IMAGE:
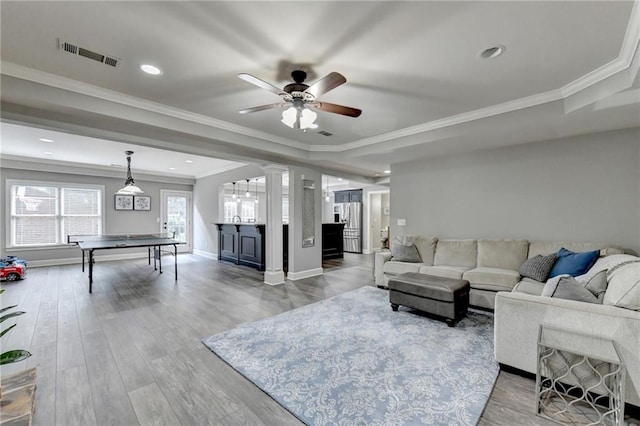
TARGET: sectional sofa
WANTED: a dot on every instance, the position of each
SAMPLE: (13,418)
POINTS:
(492,269)
(490,266)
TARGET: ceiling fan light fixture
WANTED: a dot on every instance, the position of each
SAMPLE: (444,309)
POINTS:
(307,118)
(289,116)
(299,118)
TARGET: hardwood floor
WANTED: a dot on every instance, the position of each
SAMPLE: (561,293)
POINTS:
(131,353)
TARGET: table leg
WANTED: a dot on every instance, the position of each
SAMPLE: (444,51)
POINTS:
(82,260)
(160,258)
(175,260)
(149,254)
(90,271)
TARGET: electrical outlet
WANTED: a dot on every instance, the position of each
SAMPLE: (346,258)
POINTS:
(402,222)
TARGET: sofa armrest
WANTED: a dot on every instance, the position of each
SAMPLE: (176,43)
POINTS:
(379,260)
(518,317)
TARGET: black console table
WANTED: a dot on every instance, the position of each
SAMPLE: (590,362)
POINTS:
(332,240)
(242,244)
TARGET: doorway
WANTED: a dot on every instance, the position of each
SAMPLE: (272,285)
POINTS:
(177,217)
(378,213)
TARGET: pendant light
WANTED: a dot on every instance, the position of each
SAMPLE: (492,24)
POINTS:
(256,200)
(247,194)
(327,198)
(130,187)
(233,195)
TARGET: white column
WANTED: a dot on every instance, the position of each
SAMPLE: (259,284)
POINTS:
(273,274)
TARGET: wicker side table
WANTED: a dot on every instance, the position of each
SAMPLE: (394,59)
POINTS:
(580,378)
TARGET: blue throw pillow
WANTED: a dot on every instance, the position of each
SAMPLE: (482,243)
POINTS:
(574,264)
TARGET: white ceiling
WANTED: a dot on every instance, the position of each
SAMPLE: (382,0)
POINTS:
(414,68)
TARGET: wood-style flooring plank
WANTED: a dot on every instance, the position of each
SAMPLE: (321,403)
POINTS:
(43,358)
(133,369)
(151,407)
(74,405)
(110,399)
(193,396)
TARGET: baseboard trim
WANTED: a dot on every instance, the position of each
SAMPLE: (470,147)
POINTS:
(78,260)
(207,254)
(274,277)
(294,276)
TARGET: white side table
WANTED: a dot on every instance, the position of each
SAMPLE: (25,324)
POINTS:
(580,378)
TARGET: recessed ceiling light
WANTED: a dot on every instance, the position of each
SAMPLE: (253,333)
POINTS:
(340,179)
(172,168)
(188,161)
(150,69)
(493,52)
(387,171)
(46,140)
(47,153)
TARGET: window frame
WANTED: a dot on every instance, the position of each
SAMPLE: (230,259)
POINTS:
(59,217)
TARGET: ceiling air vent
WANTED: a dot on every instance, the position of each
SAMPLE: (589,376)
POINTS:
(89,54)
(323,133)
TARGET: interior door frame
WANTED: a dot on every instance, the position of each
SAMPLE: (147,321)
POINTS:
(163,213)
(368,214)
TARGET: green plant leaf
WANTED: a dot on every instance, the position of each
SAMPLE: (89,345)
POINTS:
(14,356)
(11,315)
(7,308)
(5,331)
(1,291)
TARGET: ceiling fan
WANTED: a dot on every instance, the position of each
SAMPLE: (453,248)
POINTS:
(300,96)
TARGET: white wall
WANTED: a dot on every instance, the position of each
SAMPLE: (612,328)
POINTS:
(207,206)
(304,260)
(583,188)
(115,222)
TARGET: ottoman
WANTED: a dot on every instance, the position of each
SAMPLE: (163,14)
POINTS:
(447,298)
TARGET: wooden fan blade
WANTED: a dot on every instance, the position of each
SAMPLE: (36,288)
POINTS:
(261,83)
(329,82)
(261,108)
(339,109)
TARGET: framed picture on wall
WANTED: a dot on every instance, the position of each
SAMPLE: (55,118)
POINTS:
(123,202)
(142,202)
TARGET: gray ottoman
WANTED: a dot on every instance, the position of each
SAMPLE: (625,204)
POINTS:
(444,297)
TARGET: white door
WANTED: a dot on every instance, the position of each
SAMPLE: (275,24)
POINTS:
(177,217)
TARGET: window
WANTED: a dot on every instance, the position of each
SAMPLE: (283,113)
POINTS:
(44,213)
(246,209)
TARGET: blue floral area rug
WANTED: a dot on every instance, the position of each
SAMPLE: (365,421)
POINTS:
(351,360)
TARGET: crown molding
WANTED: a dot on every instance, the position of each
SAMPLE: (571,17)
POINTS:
(63,83)
(55,166)
(628,51)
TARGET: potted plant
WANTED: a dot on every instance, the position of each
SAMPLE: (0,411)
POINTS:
(14,355)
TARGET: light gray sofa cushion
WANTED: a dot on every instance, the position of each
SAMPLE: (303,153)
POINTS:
(502,254)
(426,247)
(402,251)
(544,248)
(566,287)
(444,271)
(461,253)
(495,279)
(529,286)
(393,267)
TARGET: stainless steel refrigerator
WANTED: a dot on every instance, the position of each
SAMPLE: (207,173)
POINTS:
(351,215)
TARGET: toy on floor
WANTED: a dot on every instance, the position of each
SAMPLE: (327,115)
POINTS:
(13,268)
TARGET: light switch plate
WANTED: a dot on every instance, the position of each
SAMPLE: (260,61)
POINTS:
(402,222)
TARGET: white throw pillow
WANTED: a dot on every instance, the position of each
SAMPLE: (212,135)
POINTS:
(623,290)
